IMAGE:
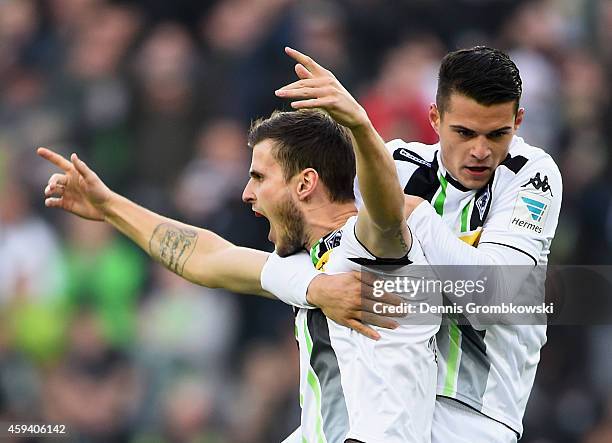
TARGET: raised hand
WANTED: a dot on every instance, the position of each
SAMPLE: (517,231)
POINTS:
(78,189)
(381,226)
(319,88)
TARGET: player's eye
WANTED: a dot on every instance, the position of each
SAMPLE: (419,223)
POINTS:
(465,133)
(497,135)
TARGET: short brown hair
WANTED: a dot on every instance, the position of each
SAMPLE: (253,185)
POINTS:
(483,74)
(310,139)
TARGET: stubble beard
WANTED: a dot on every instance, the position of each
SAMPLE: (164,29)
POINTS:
(291,235)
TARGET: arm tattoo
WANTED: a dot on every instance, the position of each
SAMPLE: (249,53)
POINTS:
(402,241)
(172,246)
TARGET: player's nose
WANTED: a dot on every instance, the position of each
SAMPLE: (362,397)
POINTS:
(480,150)
(247,194)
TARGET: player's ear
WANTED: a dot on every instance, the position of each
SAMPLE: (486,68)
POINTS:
(307,182)
(520,115)
(434,117)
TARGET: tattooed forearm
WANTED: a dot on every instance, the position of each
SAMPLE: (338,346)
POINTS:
(401,236)
(172,246)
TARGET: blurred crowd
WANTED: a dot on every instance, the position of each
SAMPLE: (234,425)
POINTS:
(157,96)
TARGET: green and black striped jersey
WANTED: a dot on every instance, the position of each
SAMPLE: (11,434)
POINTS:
(490,369)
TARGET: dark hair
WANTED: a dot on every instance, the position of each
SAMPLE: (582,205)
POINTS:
(310,139)
(483,74)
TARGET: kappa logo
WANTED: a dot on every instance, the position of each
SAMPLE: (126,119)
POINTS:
(539,184)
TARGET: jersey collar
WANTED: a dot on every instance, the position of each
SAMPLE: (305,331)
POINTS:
(320,251)
(449,178)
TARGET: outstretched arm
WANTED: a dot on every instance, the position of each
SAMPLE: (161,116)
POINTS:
(198,255)
(381,223)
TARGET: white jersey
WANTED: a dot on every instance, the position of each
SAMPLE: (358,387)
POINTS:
(491,370)
(352,387)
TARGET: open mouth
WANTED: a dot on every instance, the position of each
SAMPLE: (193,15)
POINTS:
(477,170)
(270,234)
(271,231)
(257,213)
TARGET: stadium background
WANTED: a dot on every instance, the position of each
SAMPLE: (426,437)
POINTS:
(158,96)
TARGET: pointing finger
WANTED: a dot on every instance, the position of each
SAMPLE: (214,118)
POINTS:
(309,64)
(54,158)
